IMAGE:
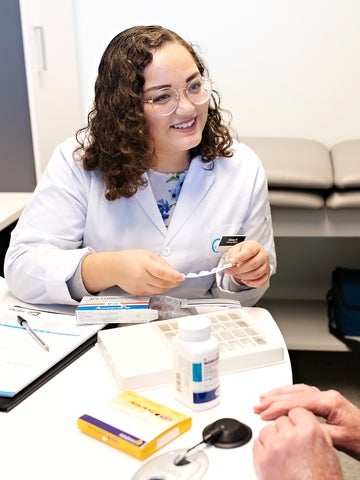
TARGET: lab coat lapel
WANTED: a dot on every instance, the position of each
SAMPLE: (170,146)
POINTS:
(196,185)
(147,201)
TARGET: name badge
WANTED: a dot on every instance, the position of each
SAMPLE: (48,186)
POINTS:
(227,241)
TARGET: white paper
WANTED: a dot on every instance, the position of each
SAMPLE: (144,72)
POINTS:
(22,359)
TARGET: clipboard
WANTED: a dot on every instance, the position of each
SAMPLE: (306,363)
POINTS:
(8,403)
(24,365)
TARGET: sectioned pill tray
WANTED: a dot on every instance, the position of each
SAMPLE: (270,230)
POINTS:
(248,336)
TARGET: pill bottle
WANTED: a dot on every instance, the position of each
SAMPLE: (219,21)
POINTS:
(196,363)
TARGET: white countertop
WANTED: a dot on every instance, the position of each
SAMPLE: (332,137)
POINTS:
(11,206)
(40,439)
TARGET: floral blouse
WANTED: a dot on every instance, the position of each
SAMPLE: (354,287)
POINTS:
(166,188)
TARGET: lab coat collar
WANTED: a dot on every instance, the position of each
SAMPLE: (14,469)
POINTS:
(196,185)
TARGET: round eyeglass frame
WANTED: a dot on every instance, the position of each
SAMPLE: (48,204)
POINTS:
(205,80)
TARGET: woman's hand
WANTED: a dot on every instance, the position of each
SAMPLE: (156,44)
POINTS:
(251,264)
(138,272)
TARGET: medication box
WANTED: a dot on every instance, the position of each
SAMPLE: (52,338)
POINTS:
(114,309)
(134,424)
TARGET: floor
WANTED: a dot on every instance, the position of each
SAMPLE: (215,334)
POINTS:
(326,370)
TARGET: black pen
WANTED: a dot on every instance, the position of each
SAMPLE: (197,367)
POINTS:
(31,332)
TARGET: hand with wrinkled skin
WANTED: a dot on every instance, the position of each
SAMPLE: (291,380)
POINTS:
(138,272)
(342,417)
(295,447)
(251,264)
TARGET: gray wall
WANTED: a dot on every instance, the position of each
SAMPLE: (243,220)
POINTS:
(17,171)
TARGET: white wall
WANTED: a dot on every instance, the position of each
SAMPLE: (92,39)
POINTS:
(283,67)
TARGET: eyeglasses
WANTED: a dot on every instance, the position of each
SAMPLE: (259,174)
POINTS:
(166,100)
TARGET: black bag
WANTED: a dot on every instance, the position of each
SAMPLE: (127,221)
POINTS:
(343,306)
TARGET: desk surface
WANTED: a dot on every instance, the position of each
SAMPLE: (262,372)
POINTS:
(11,206)
(40,439)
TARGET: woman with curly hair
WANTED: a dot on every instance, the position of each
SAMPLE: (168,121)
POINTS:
(143,194)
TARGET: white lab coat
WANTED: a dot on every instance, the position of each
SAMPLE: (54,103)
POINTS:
(68,216)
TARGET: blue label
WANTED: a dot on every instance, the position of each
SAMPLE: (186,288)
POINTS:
(197,372)
(203,397)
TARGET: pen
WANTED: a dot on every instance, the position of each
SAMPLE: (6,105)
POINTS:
(31,332)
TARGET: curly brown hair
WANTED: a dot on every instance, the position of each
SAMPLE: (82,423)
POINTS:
(116,140)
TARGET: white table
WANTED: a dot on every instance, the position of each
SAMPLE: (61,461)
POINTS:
(11,206)
(39,438)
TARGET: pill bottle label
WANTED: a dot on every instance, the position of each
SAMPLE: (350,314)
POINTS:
(197,381)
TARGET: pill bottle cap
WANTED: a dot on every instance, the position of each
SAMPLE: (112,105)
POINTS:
(194,329)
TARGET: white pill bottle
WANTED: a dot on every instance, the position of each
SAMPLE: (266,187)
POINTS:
(196,364)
